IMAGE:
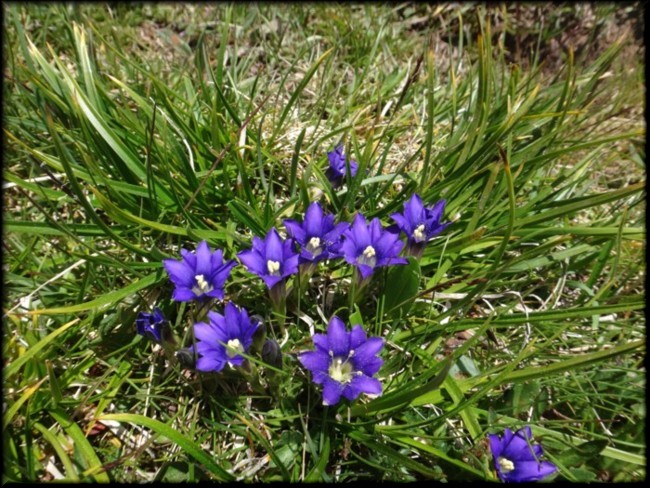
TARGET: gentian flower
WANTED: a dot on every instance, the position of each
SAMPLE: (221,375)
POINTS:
(152,325)
(337,170)
(369,246)
(200,275)
(420,223)
(344,362)
(272,259)
(222,341)
(516,459)
(318,237)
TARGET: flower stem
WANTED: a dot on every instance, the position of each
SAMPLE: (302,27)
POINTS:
(278,294)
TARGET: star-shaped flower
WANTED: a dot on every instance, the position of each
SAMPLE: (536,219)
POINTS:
(200,275)
(516,458)
(344,362)
(272,259)
(370,246)
(317,236)
(224,338)
(420,223)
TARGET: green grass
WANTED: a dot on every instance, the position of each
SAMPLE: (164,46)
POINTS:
(132,132)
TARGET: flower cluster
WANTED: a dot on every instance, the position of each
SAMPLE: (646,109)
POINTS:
(343,361)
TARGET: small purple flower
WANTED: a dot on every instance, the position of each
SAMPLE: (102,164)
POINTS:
(272,259)
(337,170)
(344,362)
(420,223)
(369,246)
(151,325)
(318,237)
(224,338)
(516,459)
(200,275)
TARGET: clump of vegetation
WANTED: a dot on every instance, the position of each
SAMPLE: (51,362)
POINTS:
(413,243)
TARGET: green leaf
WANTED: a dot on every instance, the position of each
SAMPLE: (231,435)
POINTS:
(91,462)
(584,453)
(401,288)
(187,445)
(15,366)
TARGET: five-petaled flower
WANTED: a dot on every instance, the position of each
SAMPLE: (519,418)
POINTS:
(420,223)
(370,246)
(200,275)
(337,169)
(224,338)
(272,259)
(152,325)
(344,362)
(317,236)
(516,459)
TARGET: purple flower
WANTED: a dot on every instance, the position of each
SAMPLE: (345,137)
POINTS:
(224,338)
(272,259)
(337,170)
(318,237)
(369,246)
(151,325)
(344,362)
(516,459)
(200,275)
(420,223)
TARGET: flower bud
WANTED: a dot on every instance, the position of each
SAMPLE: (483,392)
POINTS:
(271,353)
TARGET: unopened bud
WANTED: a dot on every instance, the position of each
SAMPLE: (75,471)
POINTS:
(259,335)
(271,354)
(186,357)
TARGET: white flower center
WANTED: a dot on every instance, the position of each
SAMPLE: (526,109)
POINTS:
(368,257)
(506,465)
(340,370)
(314,246)
(418,233)
(273,267)
(202,286)
(234,347)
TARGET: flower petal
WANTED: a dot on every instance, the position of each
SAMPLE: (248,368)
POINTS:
(338,338)
(205,332)
(321,342)
(365,384)
(366,352)
(203,259)
(209,363)
(357,337)
(313,223)
(331,391)
(273,246)
(179,273)
(315,361)
(183,294)
(294,229)
(529,471)
(253,261)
